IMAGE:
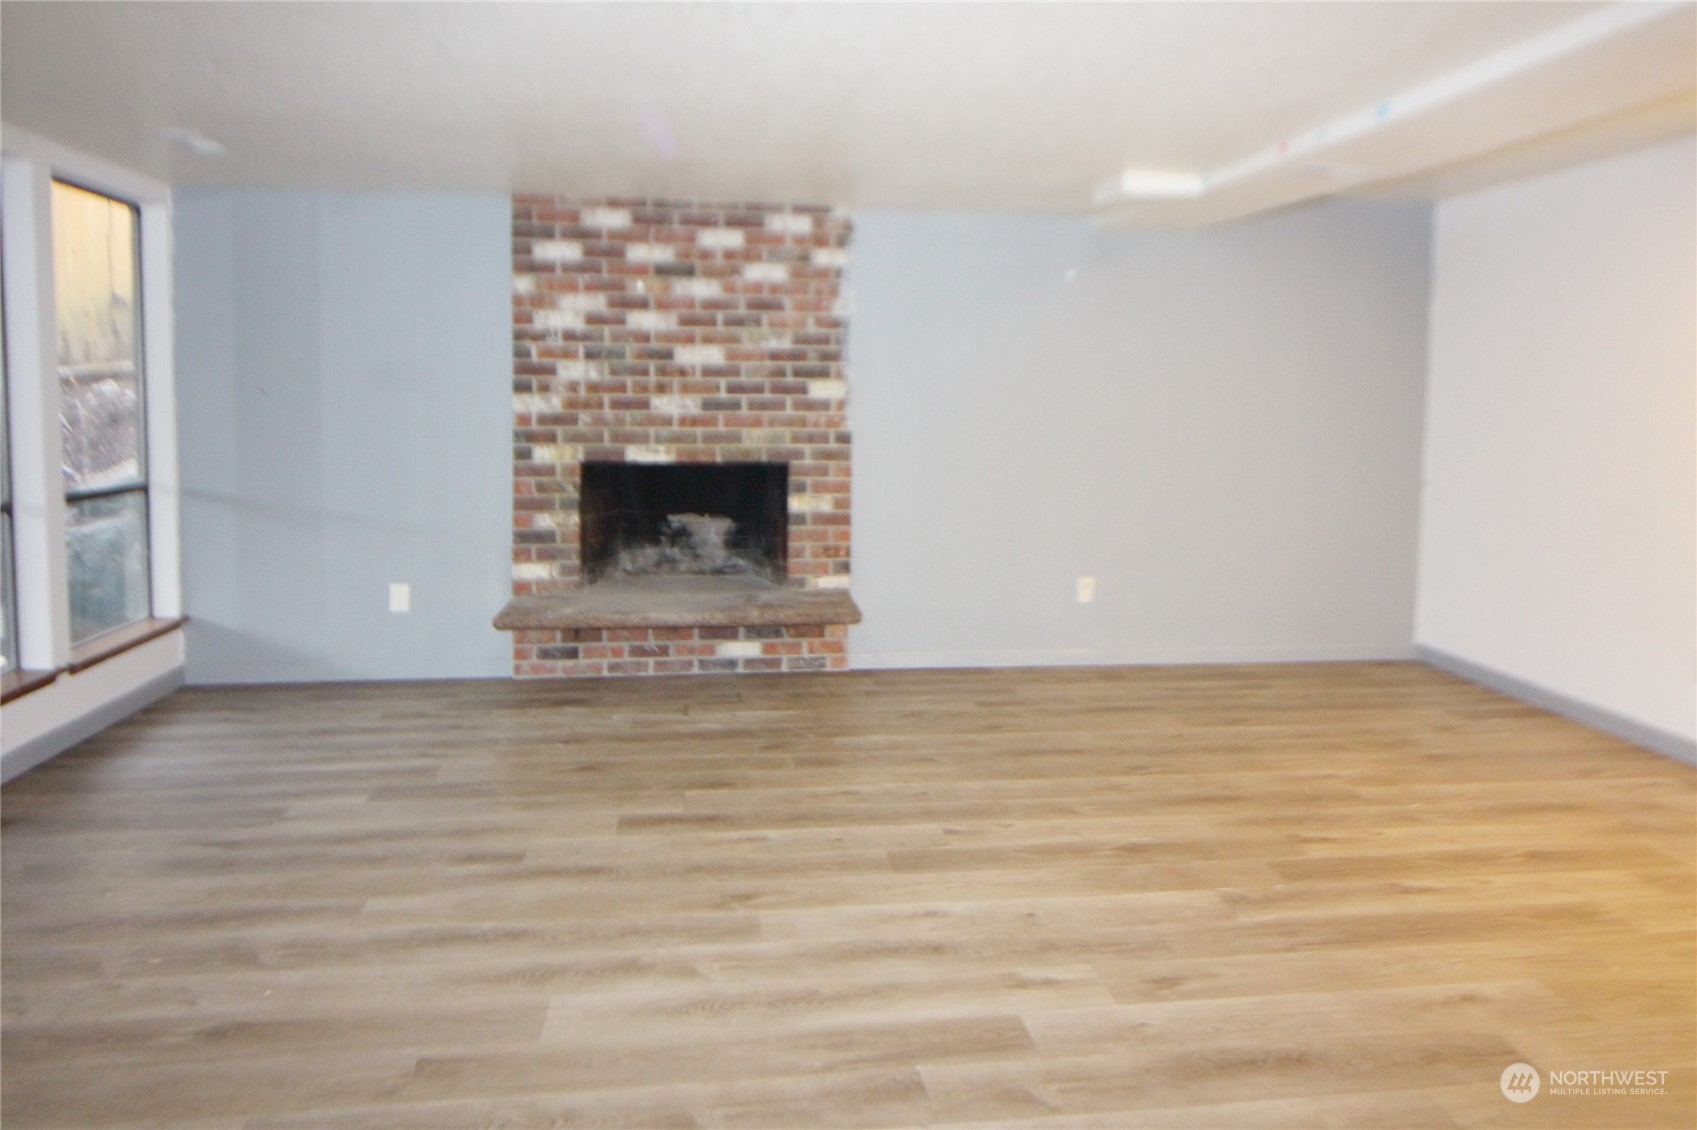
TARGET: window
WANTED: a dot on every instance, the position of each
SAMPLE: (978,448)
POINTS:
(8,599)
(88,502)
(98,306)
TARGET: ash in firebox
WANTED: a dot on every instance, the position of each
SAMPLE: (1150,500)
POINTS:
(689,544)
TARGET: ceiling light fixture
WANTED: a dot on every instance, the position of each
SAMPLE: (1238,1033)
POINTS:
(1150,184)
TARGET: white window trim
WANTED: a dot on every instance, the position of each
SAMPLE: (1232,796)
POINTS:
(32,163)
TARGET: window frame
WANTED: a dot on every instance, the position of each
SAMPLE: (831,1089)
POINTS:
(39,498)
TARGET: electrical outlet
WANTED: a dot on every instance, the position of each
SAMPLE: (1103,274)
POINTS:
(400,596)
(1086,589)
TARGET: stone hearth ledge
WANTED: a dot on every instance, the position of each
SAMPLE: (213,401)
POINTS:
(678,602)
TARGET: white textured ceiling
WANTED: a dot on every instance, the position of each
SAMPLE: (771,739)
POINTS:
(1022,107)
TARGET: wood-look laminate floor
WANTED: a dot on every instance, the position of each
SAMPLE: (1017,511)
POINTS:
(1326,895)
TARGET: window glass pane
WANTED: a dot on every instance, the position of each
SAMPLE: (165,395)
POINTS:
(5,407)
(94,275)
(107,542)
(9,643)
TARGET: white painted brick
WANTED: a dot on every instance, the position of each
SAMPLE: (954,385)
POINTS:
(607,218)
(738,649)
(649,253)
(789,223)
(698,288)
(677,405)
(829,257)
(524,284)
(833,581)
(699,355)
(765,272)
(581,370)
(555,453)
(533,402)
(722,239)
(532,571)
(649,453)
(827,390)
(808,503)
(558,320)
(651,320)
(581,302)
(557,250)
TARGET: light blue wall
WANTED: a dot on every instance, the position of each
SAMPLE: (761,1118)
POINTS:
(343,382)
(1222,427)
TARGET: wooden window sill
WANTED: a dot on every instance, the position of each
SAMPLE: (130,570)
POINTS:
(120,640)
(15,684)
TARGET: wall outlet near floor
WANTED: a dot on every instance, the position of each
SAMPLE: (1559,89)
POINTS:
(400,596)
(1086,589)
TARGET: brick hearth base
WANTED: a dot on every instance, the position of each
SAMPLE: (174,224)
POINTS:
(576,652)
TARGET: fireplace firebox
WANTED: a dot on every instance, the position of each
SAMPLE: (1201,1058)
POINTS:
(704,519)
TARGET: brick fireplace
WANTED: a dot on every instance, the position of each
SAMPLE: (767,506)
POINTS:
(660,334)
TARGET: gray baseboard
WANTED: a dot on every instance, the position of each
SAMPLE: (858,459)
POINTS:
(22,758)
(1651,738)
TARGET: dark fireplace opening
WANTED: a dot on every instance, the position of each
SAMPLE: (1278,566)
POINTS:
(700,519)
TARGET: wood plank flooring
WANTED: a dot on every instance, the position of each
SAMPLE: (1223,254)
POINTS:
(1307,895)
